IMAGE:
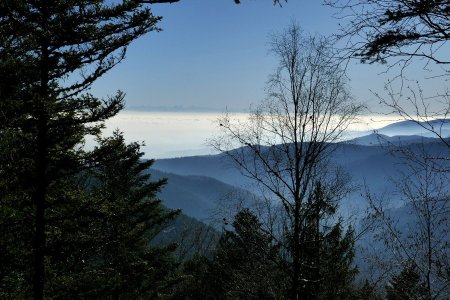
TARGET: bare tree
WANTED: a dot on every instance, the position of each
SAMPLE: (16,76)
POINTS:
(400,32)
(429,113)
(284,144)
(416,234)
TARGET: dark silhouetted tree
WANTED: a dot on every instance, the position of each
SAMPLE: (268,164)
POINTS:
(367,291)
(50,54)
(407,285)
(380,29)
(247,264)
(131,217)
(111,231)
(326,253)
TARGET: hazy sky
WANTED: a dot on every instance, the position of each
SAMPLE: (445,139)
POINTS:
(212,54)
(172,134)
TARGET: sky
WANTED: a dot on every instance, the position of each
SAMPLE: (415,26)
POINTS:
(213,55)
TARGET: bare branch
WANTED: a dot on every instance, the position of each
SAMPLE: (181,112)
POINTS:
(284,144)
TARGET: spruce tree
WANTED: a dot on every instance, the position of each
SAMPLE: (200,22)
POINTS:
(327,251)
(50,54)
(337,267)
(112,229)
(247,262)
(130,216)
(407,285)
(367,291)
(245,265)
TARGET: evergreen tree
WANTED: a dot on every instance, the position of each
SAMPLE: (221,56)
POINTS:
(407,285)
(367,292)
(197,282)
(337,267)
(131,217)
(247,264)
(327,252)
(111,228)
(50,54)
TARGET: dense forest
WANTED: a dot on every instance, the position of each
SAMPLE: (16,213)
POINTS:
(81,223)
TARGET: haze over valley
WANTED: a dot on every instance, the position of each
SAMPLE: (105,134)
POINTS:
(186,133)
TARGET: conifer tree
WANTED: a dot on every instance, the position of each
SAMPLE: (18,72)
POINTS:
(367,291)
(50,54)
(247,263)
(337,266)
(327,251)
(407,285)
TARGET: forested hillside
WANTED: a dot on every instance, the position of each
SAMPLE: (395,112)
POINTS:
(288,209)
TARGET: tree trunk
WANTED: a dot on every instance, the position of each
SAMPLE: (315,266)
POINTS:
(39,199)
(296,256)
(41,167)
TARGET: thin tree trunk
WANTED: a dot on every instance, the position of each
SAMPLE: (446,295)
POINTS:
(296,257)
(39,203)
(41,167)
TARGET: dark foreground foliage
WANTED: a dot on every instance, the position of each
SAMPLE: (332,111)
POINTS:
(73,223)
(249,264)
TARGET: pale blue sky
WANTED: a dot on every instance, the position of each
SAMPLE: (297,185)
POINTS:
(213,54)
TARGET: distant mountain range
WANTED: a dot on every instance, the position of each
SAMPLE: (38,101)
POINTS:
(412,128)
(179,108)
(198,183)
(377,139)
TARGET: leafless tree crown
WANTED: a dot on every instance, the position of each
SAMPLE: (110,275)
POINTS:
(283,146)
